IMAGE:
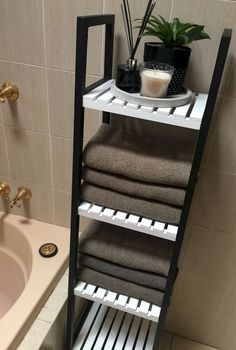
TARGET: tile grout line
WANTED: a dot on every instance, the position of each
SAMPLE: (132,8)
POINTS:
(7,153)
(30,131)
(33,184)
(205,167)
(48,113)
(5,141)
(48,67)
(210,228)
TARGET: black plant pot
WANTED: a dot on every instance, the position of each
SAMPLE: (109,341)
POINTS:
(178,57)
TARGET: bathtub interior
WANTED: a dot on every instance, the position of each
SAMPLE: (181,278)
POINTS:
(15,265)
(26,278)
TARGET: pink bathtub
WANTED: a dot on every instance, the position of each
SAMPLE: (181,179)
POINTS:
(26,278)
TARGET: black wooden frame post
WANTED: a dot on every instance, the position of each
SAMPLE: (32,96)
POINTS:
(83,24)
(202,137)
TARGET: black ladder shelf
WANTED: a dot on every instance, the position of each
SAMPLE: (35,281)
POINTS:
(112,320)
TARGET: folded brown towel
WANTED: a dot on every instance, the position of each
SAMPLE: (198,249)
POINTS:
(161,193)
(142,278)
(126,247)
(140,206)
(119,286)
(158,161)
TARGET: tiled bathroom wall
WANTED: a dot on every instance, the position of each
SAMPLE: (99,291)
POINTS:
(37,51)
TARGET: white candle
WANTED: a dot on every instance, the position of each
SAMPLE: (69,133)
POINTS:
(154,83)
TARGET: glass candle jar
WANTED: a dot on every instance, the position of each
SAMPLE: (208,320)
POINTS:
(155,78)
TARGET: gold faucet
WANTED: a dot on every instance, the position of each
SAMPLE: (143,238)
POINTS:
(4,189)
(22,194)
(8,91)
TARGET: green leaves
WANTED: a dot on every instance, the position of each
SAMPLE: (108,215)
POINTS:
(174,33)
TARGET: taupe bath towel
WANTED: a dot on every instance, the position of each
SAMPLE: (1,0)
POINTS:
(142,278)
(161,193)
(140,206)
(157,161)
(118,285)
(126,247)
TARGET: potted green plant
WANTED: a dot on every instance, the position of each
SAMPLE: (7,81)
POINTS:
(172,49)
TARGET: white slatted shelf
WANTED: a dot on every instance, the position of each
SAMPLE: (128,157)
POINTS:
(128,220)
(118,301)
(106,328)
(187,116)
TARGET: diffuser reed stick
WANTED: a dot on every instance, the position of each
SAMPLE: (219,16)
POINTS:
(125,10)
(146,17)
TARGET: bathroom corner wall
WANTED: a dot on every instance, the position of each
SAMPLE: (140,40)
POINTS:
(37,44)
(37,53)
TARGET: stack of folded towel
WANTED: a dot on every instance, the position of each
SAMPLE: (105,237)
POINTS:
(124,261)
(136,174)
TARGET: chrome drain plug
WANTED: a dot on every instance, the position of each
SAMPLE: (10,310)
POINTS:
(48,250)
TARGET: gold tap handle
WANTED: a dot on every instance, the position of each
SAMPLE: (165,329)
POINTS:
(23,193)
(4,189)
(8,91)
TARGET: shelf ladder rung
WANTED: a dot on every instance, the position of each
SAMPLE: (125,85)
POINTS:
(132,304)
(89,289)
(121,300)
(123,332)
(164,111)
(95,209)
(135,306)
(86,327)
(108,212)
(114,331)
(158,226)
(198,108)
(100,293)
(101,339)
(117,102)
(143,308)
(103,98)
(154,313)
(110,297)
(132,219)
(146,109)
(133,333)
(182,112)
(142,335)
(128,220)
(96,326)
(95,93)
(151,337)
(120,215)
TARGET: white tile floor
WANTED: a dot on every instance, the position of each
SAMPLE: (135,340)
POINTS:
(41,326)
(173,342)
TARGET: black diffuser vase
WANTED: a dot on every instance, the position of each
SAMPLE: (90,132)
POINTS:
(128,78)
(178,57)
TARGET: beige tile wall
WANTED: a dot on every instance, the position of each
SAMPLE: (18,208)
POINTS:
(37,49)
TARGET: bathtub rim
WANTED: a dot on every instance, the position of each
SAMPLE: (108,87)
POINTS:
(35,294)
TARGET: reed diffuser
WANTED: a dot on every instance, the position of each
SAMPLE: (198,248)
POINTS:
(128,78)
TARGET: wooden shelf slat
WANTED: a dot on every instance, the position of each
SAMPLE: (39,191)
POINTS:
(128,220)
(103,99)
(106,328)
(118,301)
